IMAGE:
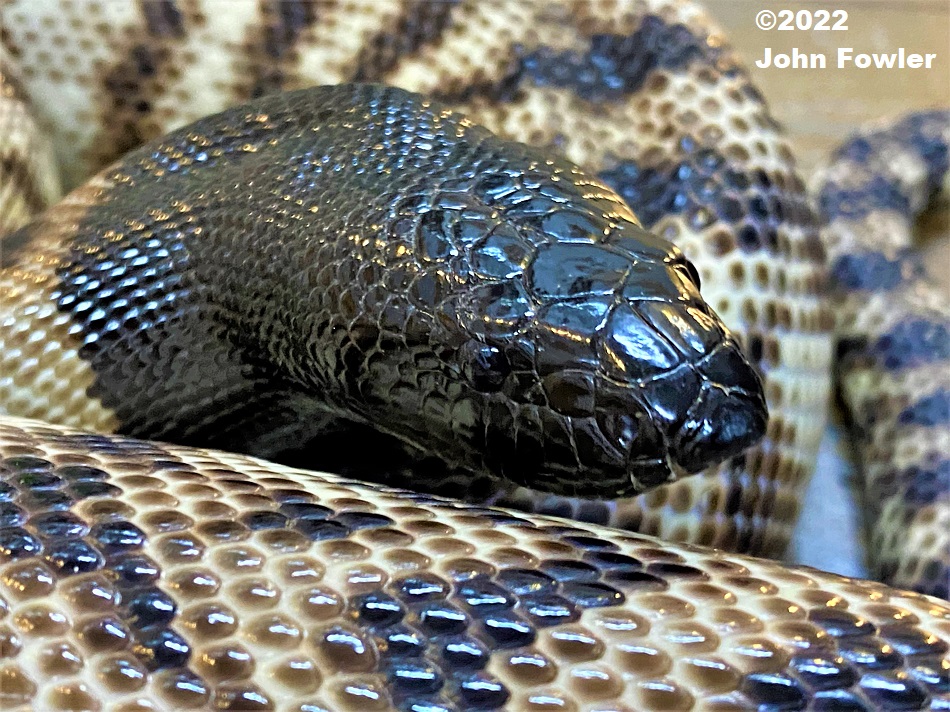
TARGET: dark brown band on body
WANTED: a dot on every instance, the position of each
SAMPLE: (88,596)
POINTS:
(16,170)
(420,24)
(272,43)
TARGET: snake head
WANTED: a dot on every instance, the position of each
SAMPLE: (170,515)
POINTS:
(618,378)
(588,363)
(493,305)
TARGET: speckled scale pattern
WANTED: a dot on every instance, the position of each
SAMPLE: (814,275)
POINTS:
(137,575)
(894,324)
(669,98)
(29,178)
(712,174)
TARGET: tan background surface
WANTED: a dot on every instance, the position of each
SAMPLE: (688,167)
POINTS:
(819,108)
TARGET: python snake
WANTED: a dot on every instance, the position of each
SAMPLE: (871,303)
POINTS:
(229,285)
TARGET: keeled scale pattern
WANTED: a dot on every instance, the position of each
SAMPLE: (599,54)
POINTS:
(139,576)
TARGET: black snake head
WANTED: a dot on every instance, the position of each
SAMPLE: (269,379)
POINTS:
(368,255)
(600,370)
(562,347)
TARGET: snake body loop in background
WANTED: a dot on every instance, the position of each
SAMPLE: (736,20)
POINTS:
(359,278)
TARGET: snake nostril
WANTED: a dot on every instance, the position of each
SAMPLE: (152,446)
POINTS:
(723,423)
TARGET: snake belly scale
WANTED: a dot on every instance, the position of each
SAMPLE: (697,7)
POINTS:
(251,282)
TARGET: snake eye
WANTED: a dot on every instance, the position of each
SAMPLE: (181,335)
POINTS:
(693,273)
(485,367)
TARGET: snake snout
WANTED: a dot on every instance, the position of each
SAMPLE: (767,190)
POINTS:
(677,361)
(728,415)
(637,386)
(669,355)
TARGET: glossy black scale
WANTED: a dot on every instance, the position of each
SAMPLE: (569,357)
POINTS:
(525,581)
(464,653)
(888,690)
(73,556)
(824,672)
(483,596)
(378,610)
(37,520)
(481,691)
(507,630)
(162,648)
(135,569)
(773,691)
(471,298)
(151,607)
(414,677)
(402,641)
(17,543)
(548,609)
(25,464)
(839,701)
(115,537)
(11,515)
(442,619)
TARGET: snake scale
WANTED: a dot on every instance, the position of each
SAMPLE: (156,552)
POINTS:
(366,281)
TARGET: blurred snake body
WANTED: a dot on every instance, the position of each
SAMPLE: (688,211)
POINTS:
(362,279)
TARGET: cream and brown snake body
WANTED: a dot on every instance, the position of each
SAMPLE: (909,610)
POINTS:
(364,280)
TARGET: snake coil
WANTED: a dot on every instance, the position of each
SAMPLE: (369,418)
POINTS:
(359,270)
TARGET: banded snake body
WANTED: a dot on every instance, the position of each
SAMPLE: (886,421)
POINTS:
(364,280)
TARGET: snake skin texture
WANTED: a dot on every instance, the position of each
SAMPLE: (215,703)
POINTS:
(29,179)
(357,253)
(138,575)
(894,327)
(147,576)
(646,96)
